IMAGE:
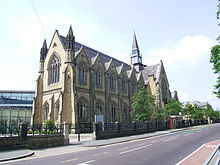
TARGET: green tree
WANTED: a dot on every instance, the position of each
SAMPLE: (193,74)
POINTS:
(197,113)
(49,124)
(173,107)
(143,106)
(211,113)
(215,59)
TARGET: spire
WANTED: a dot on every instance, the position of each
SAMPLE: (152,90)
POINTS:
(134,43)
(70,33)
(136,58)
(70,39)
(43,51)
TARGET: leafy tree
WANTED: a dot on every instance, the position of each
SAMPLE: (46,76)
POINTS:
(49,124)
(215,59)
(143,106)
(210,113)
(159,114)
(197,113)
(173,107)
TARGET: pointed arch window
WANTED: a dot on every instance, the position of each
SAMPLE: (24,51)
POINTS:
(126,112)
(98,78)
(133,87)
(113,112)
(99,107)
(112,82)
(82,73)
(124,86)
(82,109)
(164,91)
(54,70)
(45,111)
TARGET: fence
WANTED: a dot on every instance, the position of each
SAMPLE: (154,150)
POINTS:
(37,136)
(31,130)
(80,128)
(110,130)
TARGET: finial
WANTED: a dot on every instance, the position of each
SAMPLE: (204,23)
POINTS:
(70,33)
(43,51)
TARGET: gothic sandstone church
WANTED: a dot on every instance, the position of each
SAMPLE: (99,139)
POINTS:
(77,83)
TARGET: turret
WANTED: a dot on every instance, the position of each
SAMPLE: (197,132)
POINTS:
(43,51)
(43,54)
(70,40)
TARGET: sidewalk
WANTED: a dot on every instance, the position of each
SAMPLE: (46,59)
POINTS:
(75,145)
(12,155)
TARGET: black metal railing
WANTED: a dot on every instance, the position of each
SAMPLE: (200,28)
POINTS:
(80,128)
(148,126)
(31,130)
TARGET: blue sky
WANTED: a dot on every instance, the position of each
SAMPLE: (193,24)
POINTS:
(180,33)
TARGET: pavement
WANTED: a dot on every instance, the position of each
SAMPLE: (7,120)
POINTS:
(201,154)
(85,143)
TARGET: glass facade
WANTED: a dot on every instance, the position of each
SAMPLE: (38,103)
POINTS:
(15,107)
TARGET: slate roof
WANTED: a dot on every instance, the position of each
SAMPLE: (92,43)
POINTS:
(151,70)
(91,53)
(134,43)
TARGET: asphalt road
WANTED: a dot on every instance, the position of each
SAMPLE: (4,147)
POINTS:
(161,150)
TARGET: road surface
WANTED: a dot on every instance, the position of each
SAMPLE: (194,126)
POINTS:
(160,150)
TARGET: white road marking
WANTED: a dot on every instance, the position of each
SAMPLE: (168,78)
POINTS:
(189,155)
(141,144)
(101,154)
(188,134)
(69,160)
(136,149)
(86,163)
(170,139)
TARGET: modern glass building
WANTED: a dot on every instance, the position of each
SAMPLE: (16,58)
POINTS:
(15,107)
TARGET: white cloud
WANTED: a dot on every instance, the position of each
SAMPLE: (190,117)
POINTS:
(184,53)
(20,66)
(214,101)
(183,96)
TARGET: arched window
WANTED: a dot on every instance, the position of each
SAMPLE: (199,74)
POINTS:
(56,110)
(54,70)
(98,79)
(124,86)
(126,112)
(82,109)
(82,73)
(111,82)
(45,111)
(165,90)
(133,87)
(99,107)
(113,112)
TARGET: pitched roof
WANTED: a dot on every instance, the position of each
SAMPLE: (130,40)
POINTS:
(151,70)
(91,53)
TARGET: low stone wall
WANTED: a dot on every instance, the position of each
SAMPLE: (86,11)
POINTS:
(32,142)
(97,135)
